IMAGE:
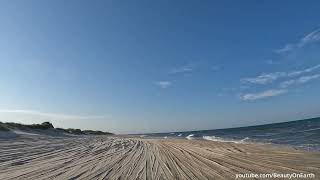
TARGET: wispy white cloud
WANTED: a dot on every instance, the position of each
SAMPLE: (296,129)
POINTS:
(287,83)
(297,73)
(164,84)
(300,80)
(262,95)
(286,48)
(288,78)
(266,78)
(310,38)
(306,79)
(56,116)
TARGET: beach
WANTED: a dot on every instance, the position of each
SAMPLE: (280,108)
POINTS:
(111,157)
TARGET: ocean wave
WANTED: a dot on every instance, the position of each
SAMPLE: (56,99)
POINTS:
(190,136)
(315,129)
(180,135)
(218,139)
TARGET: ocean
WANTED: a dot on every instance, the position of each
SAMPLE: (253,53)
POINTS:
(301,134)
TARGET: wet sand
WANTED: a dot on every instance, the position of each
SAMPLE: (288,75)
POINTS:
(102,157)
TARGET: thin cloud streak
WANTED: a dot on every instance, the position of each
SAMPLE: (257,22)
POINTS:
(310,38)
(267,78)
(297,73)
(262,95)
(264,78)
(300,80)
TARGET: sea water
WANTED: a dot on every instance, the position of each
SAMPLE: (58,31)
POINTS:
(302,134)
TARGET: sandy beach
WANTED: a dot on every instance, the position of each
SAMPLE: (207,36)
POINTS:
(102,157)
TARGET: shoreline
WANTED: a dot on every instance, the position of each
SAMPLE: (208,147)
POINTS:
(256,142)
(123,157)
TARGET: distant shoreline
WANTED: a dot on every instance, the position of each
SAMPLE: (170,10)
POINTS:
(301,134)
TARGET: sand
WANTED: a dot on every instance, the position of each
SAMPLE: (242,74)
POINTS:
(102,157)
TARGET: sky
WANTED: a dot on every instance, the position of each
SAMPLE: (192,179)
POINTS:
(159,66)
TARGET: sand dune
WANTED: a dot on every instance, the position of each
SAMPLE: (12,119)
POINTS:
(39,157)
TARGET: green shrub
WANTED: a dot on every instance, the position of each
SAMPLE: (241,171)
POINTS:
(75,131)
(91,132)
(3,127)
(45,125)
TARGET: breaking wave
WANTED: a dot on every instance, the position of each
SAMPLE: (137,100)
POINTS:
(218,139)
(190,136)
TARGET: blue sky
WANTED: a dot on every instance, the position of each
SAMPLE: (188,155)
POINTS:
(154,66)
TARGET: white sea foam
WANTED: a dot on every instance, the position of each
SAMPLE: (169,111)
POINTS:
(180,135)
(309,130)
(190,136)
(218,139)
(165,137)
